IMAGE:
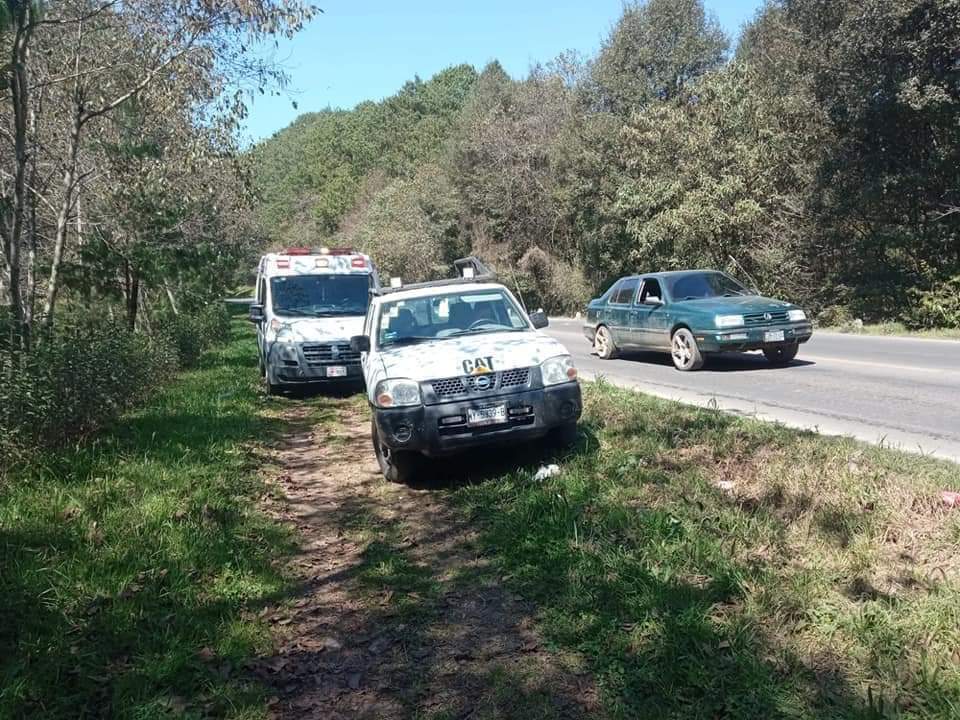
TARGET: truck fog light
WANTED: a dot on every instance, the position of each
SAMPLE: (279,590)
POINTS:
(453,420)
(402,433)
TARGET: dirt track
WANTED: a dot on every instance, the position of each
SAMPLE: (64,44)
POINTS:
(399,615)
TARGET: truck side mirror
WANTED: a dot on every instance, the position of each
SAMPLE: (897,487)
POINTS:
(360,343)
(539,319)
(256,314)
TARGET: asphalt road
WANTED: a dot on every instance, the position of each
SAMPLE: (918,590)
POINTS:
(900,392)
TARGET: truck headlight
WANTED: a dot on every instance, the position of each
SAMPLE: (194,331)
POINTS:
(796,315)
(397,393)
(728,321)
(558,370)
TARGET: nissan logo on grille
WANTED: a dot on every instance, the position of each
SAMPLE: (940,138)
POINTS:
(482,382)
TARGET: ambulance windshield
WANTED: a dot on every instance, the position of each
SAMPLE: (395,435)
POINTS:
(320,295)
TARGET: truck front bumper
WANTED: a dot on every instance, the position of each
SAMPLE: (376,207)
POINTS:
(747,339)
(442,429)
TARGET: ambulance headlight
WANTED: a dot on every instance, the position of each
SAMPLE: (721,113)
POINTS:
(397,393)
(287,351)
(558,370)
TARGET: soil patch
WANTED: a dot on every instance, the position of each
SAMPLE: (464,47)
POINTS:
(399,614)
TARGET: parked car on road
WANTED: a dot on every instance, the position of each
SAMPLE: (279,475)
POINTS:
(454,364)
(692,314)
(308,305)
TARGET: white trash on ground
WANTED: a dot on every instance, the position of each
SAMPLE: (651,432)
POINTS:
(546,471)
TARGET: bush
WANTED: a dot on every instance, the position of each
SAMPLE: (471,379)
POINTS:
(938,307)
(190,334)
(77,377)
(86,372)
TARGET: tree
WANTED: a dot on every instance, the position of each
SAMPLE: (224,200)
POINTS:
(75,63)
(655,51)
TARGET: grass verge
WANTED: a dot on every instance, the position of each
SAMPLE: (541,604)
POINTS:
(132,564)
(709,566)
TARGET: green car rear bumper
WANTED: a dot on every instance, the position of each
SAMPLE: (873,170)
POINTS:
(753,338)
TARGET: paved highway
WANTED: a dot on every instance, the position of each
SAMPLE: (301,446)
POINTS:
(900,392)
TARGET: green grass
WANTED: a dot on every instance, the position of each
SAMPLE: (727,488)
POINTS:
(132,565)
(823,584)
(896,329)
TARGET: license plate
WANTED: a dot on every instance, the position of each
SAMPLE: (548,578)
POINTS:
(336,371)
(478,417)
(773,336)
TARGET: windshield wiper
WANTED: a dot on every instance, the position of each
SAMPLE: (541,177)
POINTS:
(480,331)
(295,312)
(409,340)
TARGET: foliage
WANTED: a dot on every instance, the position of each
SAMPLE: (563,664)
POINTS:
(655,52)
(834,188)
(135,564)
(190,334)
(938,307)
(86,371)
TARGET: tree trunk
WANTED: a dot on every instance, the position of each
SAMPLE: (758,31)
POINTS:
(132,292)
(63,215)
(173,302)
(13,227)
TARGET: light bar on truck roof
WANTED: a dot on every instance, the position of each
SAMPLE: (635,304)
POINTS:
(469,269)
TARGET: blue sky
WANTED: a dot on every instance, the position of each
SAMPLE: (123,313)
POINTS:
(358,50)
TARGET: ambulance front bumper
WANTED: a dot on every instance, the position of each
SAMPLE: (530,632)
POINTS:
(443,429)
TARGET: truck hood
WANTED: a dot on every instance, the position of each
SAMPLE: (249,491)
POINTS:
(453,357)
(734,305)
(318,329)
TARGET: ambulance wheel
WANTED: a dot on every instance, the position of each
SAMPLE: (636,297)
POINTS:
(397,466)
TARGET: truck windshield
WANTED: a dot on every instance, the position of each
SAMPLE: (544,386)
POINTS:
(449,315)
(320,295)
(697,286)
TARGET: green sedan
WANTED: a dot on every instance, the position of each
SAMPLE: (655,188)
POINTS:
(692,314)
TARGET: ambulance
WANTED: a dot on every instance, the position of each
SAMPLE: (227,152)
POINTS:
(308,305)
(459,363)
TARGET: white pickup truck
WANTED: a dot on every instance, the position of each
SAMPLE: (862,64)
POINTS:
(454,364)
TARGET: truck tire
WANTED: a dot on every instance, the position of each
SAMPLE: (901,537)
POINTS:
(564,436)
(397,466)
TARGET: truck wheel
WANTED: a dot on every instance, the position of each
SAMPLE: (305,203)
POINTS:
(685,352)
(564,436)
(396,466)
(603,344)
(781,354)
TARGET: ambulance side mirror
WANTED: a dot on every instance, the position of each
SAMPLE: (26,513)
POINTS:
(360,343)
(256,314)
(539,319)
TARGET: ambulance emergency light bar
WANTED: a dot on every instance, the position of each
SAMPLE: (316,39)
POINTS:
(283,263)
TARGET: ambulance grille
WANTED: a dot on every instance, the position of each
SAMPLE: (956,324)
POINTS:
(506,380)
(330,354)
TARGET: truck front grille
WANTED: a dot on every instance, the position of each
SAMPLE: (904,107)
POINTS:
(480,384)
